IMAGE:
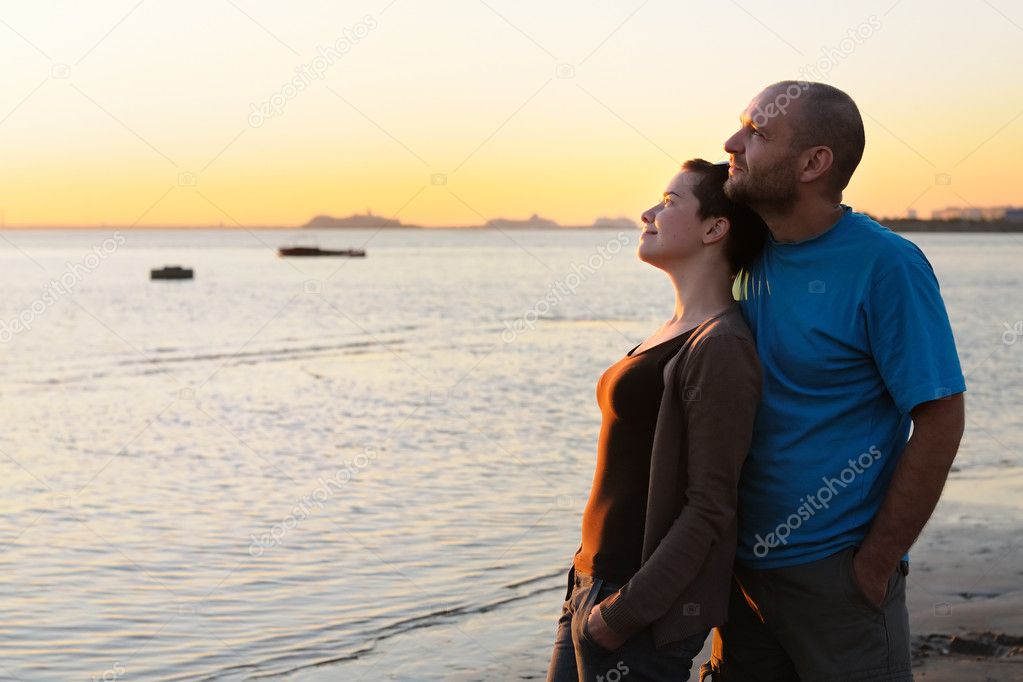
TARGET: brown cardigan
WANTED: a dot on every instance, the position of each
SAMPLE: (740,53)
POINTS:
(704,428)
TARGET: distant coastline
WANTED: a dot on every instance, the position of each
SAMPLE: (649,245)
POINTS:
(534,222)
(917,225)
(370,221)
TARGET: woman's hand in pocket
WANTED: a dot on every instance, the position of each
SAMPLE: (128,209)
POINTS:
(600,632)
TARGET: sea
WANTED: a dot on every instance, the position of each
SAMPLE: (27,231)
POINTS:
(342,468)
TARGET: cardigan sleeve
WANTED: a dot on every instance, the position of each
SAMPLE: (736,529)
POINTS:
(719,395)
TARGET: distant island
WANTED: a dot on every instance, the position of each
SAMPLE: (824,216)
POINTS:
(534,222)
(356,220)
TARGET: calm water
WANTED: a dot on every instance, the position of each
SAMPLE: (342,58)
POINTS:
(287,463)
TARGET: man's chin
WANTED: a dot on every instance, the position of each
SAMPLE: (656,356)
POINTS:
(734,190)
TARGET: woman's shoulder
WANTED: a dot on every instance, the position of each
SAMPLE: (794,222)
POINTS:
(731,324)
(723,342)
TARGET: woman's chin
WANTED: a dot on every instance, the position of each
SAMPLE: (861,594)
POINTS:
(668,262)
(649,251)
(650,257)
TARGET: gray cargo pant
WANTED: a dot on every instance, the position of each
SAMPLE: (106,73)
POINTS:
(811,623)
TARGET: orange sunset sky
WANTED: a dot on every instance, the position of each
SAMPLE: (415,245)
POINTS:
(259,113)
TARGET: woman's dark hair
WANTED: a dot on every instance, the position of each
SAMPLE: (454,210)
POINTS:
(746,238)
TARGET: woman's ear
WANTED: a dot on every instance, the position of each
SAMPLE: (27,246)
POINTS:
(717,230)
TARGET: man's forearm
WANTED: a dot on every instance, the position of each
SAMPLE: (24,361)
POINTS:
(915,487)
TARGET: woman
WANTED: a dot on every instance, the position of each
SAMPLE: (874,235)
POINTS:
(658,534)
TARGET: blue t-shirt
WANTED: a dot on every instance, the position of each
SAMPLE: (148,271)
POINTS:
(852,335)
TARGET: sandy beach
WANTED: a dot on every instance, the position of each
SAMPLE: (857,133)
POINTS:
(966,582)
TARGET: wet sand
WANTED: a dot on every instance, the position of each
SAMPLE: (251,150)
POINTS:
(966,582)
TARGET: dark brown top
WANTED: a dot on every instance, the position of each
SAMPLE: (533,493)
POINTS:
(704,429)
(629,395)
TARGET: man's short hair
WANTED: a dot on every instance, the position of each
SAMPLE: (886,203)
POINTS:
(828,117)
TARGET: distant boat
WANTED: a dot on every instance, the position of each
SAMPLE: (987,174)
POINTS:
(314,251)
(171,272)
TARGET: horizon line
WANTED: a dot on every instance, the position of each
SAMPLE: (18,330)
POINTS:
(277,227)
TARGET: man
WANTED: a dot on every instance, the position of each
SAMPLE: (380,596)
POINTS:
(855,346)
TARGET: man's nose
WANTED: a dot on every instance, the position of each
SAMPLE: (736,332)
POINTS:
(733,145)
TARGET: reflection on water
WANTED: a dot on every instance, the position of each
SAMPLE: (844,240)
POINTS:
(285,464)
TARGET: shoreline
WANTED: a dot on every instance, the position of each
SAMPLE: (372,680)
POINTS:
(898,225)
(965,578)
(966,583)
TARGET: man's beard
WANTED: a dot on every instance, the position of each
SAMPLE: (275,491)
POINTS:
(773,187)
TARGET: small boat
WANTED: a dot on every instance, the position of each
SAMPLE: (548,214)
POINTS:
(315,251)
(171,272)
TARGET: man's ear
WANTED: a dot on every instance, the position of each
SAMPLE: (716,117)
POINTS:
(816,162)
(717,230)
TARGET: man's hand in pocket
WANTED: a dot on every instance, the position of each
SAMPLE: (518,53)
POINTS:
(873,583)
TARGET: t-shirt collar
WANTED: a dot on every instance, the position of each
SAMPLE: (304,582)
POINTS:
(846,212)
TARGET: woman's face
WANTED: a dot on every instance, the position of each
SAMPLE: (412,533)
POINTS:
(673,229)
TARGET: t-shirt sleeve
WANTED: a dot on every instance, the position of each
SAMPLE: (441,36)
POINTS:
(909,332)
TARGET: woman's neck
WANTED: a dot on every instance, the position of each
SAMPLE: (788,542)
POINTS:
(700,293)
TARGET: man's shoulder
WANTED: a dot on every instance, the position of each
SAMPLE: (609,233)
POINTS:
(885,246)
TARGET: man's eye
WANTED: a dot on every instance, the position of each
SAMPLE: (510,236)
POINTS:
(754,131)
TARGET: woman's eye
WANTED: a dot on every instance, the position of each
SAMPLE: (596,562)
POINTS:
(667,201)
(756,132)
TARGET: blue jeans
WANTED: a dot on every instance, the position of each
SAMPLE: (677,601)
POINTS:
(578,658)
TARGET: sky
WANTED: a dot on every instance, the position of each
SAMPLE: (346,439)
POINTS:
(257,113)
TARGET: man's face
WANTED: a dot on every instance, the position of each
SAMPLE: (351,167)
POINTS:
(762,166)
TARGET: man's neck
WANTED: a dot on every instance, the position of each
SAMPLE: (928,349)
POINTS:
(802,221)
